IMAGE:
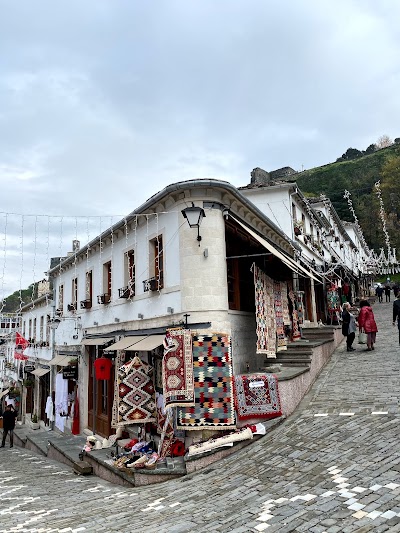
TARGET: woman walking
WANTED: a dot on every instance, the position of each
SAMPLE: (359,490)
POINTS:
(348,326)
(366,323)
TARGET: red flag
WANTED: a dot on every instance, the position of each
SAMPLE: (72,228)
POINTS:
(21,356)
(20,342)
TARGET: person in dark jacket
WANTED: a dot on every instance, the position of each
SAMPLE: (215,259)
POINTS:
(379,293)
(396,313)
(387,293)
(9,417)
(348,326)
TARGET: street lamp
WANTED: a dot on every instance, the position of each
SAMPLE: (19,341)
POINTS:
(194,215)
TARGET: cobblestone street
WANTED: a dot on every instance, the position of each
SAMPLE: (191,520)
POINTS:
(333,466)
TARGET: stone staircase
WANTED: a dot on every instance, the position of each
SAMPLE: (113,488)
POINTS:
(299,353)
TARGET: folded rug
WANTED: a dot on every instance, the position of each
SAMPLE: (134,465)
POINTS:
(257,396)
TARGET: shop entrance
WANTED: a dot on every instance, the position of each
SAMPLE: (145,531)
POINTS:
(44,391)
(100,400)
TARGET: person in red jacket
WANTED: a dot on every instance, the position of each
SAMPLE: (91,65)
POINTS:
(366,323)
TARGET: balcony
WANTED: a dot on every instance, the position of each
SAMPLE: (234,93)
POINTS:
(126,292)
(86,304)
(153,284)
(104,298)
(71,307)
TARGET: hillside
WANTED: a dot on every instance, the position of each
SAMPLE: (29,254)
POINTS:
(359,176)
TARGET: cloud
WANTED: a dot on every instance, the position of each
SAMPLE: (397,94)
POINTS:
(105,102)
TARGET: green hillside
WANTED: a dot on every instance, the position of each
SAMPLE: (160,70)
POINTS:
(359,176)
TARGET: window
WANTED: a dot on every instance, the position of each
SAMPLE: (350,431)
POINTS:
(41,329)
(89,286)
(158,261)
(129,276)
(34,331)
(107,278)
(303,219)
(294,214)
(30,329)
(61,298)
(75,291)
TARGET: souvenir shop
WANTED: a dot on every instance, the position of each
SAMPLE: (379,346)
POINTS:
(182,396)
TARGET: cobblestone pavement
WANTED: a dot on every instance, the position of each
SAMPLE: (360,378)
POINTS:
(332,467)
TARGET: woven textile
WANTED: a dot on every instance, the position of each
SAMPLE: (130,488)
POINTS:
(118,363)
(257,396)
(212,444)
(265,319)
(136,401)
(177,370)
(285,303)
(280,332)
(213,385)
(295,319)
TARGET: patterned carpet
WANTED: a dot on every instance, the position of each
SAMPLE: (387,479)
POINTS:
(257,396)
(213,385)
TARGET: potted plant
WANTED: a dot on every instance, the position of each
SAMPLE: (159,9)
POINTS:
(73,362)
(34,422)
(14,392)
(28,382)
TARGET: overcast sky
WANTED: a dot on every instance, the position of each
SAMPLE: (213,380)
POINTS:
(103,103)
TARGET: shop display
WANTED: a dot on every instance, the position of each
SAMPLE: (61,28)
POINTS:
(219,442)
(135,393)
(278,306)
(296,334)
(177,369)
(213,385)
(257,396)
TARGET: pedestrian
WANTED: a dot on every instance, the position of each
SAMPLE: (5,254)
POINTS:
(396,290)
(348,326)
(367,324)
(379,293)
(9,417)
(387,292)
(396,312)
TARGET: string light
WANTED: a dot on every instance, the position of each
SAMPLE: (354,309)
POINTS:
(382,215)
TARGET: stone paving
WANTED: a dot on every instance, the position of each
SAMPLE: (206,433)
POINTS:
(333,466)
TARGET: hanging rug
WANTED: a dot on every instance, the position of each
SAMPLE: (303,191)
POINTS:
(257,396)
(135,399)
(213,385)
(177,369)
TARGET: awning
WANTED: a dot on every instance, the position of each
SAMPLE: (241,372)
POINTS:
(4,393)
(40,371)
(289,262)
(61,360)
(148,343)
(124,343)
(96,342)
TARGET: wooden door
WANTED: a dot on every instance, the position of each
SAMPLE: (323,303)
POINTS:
(101,396)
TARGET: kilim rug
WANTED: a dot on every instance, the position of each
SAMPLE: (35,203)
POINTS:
(271,319)
(177,369)
(118,363)
(295,320)
(280,332)
(264,322)
(213,385)
(136,400)
(285,304)
(257,396)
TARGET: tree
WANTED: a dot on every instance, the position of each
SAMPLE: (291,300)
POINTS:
(351,153)
(371,149)
(383,142)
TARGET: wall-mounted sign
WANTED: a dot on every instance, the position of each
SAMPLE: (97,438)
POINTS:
(29,368)
(70,372)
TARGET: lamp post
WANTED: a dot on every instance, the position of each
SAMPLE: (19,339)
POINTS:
(194,215)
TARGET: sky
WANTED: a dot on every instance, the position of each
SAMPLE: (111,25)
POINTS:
(105,102)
